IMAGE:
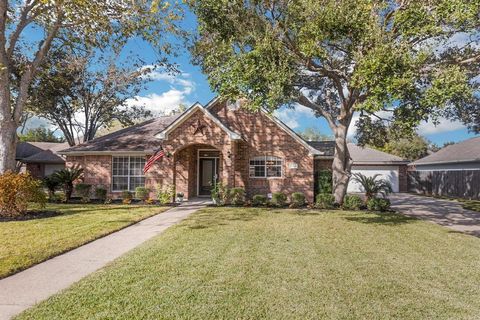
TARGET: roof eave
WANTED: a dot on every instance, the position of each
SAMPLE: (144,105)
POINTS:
(443,162)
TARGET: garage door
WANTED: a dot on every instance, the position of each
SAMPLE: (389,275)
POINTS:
(389,173)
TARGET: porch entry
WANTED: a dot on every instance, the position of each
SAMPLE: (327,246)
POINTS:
(208,169)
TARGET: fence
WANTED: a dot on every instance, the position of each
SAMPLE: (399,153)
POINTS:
(460,183)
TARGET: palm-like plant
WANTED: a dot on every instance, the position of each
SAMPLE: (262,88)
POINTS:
(51,183)
(372,186)
(67,177)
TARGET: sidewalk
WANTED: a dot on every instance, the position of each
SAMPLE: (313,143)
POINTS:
(24,289)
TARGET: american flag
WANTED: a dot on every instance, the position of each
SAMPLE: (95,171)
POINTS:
(157,155)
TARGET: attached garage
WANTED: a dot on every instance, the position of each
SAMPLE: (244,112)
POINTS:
(368,162)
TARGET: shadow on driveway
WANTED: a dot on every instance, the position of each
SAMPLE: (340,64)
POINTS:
(443,212)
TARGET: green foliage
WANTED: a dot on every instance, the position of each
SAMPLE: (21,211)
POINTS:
(127,197)
(323,181)
(237,196)
(259,200)
(142,193)
(83,190)
(51,184)
(16,191)
(220,194)
(165,194)
(314,134)
(101,193)
(352,202)
(67,177)
(297,200)
(378,204)
(40,134)
(372,186)
(325,201)
(279,199)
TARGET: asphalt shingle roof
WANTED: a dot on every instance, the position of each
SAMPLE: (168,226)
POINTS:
(358,154)
(40,152)
(465,151)
(139,137)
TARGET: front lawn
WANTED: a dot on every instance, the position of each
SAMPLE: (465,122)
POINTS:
(25,243)
(227,263)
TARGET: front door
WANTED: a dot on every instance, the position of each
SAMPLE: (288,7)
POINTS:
(208,169)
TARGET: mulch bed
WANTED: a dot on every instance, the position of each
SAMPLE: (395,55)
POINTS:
(31,215)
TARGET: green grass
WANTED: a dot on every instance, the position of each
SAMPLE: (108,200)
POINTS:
(473,205)
(25,243)
(226,263)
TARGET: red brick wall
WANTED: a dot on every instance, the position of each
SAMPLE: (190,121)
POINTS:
(263,136)
(37,170)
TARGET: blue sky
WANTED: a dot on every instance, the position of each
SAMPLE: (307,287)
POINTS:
(166,92)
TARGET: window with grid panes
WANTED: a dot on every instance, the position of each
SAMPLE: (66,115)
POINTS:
(127,173)
(266,167)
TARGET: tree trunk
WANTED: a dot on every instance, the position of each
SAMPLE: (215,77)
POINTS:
(8,145)
(341,164)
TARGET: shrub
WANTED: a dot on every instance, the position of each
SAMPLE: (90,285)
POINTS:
(323,182)
(279,199)
(352,202)
(16,191)
(259,200)
(220,194)
(52,185)
(378,204)
(372,186)
(165,195)
(83,191)
(325,201)
(141,193)
(67,177)
(297,200)
(101,193)
(127,197)
(237,196)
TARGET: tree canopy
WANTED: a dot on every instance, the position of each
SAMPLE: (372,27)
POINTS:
(40,134)
(102,25)
(416,59)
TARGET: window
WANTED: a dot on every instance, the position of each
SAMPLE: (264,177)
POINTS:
(127,173)
(266,167)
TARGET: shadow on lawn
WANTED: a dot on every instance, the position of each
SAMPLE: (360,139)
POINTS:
(391,219)
(208,219)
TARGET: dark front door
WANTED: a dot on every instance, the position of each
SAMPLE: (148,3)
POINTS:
(207,176)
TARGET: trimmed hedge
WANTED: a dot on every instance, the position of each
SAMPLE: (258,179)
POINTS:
(279,199)
(325,201)
(297,199)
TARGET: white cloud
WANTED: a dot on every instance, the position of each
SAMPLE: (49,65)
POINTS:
(164,103)
(444,125)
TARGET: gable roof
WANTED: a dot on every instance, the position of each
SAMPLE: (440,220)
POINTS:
(138,139)
(40,152)
(465,151)
(163,134)
(359,155)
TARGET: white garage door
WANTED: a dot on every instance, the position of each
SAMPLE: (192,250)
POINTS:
(389,173)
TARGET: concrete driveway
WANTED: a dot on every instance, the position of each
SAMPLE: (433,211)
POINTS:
(443,212)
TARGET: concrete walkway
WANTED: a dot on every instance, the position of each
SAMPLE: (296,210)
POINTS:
(24,289)
(443,212)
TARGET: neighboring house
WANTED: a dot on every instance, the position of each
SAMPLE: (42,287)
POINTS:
(40,158)
(218,142)
(452,171)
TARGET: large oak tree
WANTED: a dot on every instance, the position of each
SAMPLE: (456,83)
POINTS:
(97,24)
(337,57)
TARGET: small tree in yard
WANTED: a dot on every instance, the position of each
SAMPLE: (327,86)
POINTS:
(16,191)
(372,186)
(67,177)
(341,57)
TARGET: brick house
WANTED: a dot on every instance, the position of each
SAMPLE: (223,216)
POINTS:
(40,159)
(216,142)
